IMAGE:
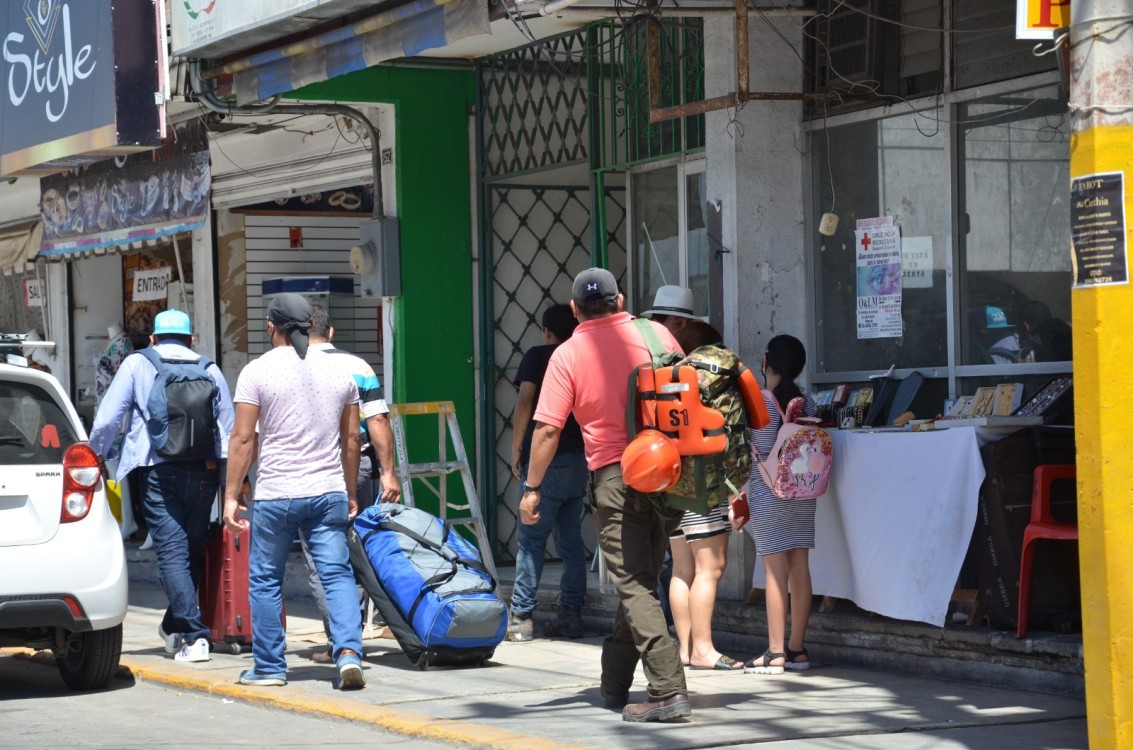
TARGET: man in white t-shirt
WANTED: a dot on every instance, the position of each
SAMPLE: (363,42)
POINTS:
(306,408)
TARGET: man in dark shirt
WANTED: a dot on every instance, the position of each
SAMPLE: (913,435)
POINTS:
(563,495)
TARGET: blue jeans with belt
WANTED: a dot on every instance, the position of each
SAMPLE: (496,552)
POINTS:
(322,520)
(178,501)
(562,495)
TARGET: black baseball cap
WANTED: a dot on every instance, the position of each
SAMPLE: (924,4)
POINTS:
(594,285)
(291,313)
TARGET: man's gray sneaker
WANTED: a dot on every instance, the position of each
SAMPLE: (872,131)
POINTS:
(569,624)
(520,628)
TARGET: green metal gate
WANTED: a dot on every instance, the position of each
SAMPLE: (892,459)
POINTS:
(559,122)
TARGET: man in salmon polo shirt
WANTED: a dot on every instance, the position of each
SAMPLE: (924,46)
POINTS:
(589,375)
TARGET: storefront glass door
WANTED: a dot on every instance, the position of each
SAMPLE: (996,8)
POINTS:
(668,232)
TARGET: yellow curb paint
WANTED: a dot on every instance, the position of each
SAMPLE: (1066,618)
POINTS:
(288,698)
(1103,348)
(393,720)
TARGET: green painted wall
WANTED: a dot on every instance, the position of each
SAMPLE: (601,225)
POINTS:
(433,318)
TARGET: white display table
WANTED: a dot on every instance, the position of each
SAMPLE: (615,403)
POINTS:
(893,530)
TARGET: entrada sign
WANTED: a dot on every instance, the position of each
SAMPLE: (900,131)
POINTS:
(77,81)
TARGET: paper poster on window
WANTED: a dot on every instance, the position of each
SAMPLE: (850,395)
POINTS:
(916,262)
(879,279)
(150,284)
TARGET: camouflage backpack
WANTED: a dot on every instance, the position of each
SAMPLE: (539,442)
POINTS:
(708,478)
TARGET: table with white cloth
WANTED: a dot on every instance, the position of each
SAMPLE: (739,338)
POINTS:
(894,527)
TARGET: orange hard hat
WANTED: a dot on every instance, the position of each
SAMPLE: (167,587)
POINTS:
(651,462)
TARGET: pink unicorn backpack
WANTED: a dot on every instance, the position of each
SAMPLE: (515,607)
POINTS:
(800,462)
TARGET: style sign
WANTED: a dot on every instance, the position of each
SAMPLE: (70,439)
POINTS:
(33,293)
(1039,19)
(878,279)
(1097,230)
(68,92)
(151,284)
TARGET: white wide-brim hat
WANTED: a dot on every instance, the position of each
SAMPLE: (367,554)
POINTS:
(672,300)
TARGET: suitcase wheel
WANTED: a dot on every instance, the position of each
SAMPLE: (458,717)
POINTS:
(234,648)
(423,662)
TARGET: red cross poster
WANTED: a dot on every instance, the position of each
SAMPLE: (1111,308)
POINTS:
(879,278)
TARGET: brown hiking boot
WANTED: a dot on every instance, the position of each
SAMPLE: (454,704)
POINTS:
(673,707)
(569,624)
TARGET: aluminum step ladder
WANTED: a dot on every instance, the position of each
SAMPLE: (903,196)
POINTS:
(433,474)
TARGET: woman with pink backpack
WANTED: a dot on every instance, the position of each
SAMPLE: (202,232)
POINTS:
(783,529)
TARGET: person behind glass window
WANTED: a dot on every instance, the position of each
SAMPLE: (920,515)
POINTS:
(998,343)
(1044,338)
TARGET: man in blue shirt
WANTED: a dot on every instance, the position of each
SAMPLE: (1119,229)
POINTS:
(178,494)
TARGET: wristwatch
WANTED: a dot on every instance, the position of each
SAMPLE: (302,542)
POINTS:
(529,488)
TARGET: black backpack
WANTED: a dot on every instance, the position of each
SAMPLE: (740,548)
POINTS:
(181,422)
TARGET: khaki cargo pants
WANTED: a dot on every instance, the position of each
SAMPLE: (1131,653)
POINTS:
(633,538)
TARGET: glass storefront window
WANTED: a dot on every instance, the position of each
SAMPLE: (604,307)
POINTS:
(894,167)
(1015,239)
(669,233)
(994,198)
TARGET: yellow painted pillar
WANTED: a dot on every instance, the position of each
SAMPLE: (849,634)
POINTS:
(1101,160)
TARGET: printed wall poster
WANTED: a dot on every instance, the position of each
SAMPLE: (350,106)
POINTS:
(1097,230)
(878,243)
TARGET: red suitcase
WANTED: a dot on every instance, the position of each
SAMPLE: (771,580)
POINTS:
(224,589)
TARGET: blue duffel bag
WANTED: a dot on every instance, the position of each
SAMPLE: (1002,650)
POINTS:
(429,584)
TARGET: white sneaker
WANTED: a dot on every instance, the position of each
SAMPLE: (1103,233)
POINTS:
(148,543)
(172,640)
(198,650)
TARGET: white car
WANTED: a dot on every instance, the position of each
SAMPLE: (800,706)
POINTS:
(63,584)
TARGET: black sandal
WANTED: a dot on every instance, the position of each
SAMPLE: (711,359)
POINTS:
(793,663)
(763,665)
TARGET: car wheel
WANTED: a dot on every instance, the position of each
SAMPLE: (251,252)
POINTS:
(91,659)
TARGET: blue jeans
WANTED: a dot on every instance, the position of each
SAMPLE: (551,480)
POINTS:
(365,496)
(561,498)
(178,501)
(322,520)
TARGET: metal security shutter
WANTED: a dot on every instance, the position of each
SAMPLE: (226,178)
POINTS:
(326,243)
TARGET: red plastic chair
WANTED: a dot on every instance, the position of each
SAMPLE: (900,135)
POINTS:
(1042,526)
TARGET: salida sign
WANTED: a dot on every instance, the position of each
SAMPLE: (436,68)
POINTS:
(77,79)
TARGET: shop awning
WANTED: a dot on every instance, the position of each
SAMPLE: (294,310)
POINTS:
(403,31)
(18,247)
(142,201)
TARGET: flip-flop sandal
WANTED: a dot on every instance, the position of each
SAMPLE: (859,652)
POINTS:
(723,664)
(797,666)
(763,665)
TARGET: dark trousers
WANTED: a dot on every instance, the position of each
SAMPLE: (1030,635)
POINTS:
(633,537)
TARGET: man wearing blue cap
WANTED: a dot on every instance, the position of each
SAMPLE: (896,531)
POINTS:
(996,335)
(162,388)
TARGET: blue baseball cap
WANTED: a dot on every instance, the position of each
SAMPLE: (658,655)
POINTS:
(996,318)
(172,322)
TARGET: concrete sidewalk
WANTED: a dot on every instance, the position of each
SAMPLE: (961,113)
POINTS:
(544,694)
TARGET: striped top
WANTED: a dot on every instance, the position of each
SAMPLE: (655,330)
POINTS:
(777,525)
